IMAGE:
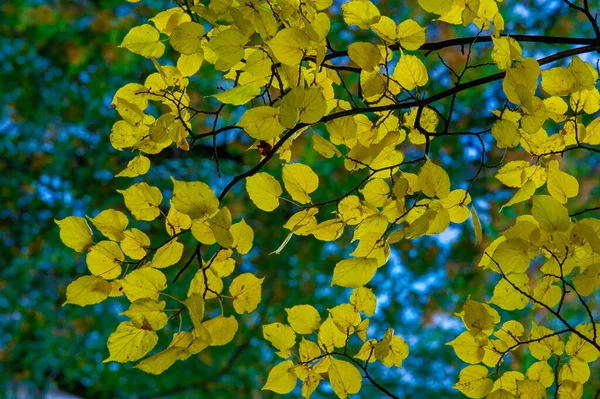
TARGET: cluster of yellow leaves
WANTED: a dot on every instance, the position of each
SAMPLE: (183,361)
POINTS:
(193,208)
(570,250)
(524,126)
(478,12)
(381,208)
(322,351)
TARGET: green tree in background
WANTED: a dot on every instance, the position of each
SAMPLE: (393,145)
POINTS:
(341,124)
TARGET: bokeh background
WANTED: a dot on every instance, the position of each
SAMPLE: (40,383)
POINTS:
(59,69)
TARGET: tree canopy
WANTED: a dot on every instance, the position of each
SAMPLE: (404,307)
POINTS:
(348,198)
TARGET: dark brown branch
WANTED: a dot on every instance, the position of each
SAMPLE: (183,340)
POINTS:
(463,41)
(584,211)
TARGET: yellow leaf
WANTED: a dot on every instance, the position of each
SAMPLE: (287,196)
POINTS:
(289,45)
(166,21)
(129,343)
(186,38)
(190,64)
(434,181)
(228,45)
(262,123)
(308,350)
(507,297)
(167,255)
(558,81)
(587,282)
(145,41)
(281,379)
(330,336)
(147,313)
(144,283)
(506,134)
(202,232)
(308,105)
(385,28)
(313,106)
(411,35)
(344,377)
(178,350)
(456,203)
(512,255)
(522,78)
(143,201)
(304,319)
(324,147)
(510,332)
(75,233)
(281,336)
(398,352)
(473,382)
(206,283)
(546,292)
(134,93)
(135,243)
(239,95)
(355,272)
(587,101)
(540,348)
(246,292)
(300,181)
(584,73)
(367,351)
(410,72)
(329,230)
(570,389)
(176,221)
(556,108)
(541,372)
(195,199)
(551,215)
(561,185)
(436,6)
(506,50)
(469,346)
(365,55)
(360,13)
(195,305)
(220,225)
(160,362)
(376,192)
(363,300)
(87,290)
(343,131)
(221,329)
(201,341)
(522,194)
(345,317)
(583,350)
(243,237)
(264,191)
(116,289)
(138,166)
(222,264)
(476,225)
(104,259)
(371,246)
(477,318)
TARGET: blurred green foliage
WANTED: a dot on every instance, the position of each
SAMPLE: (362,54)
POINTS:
(60,67)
